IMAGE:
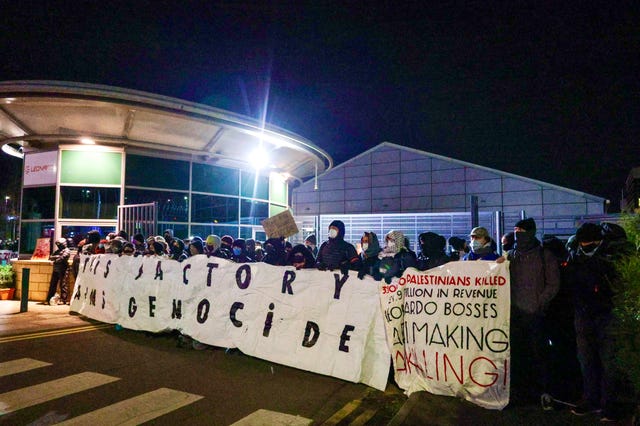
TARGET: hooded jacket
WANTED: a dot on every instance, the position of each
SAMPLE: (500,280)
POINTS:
(336,253)
(535,276)
(432,253)
(369,257)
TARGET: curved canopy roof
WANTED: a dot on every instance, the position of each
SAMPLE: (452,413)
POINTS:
(40,115)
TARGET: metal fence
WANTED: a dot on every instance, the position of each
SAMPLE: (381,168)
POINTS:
(138,218)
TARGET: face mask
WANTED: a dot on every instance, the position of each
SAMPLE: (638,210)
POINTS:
(365,246)
(589,249)
(237,251)
(476,245)
(523,238)
(506,247)
(333,233)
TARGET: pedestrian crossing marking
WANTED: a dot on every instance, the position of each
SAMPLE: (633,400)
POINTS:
(37,394)
(363,418)
(51,333)
(137,410)
(20,365)
(342,413)
(272,418)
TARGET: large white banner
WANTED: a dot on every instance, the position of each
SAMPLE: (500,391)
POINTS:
(449,331)
(318,321)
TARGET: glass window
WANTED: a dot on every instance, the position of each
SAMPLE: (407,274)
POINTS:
(78,233)
(79,202)
(277,190)
(219,230)
(253,212)
(91,167)
(172,206)
(156,172)
(211,208)
(180,230)
(274,209)
(39,203)
(31,231)
(218,180)
(254,186)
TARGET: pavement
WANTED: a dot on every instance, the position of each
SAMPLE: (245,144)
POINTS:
(37,318)
(420,408)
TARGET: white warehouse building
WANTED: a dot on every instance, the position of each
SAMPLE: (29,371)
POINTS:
(394,187)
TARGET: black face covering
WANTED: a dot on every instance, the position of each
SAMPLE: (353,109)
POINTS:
(589,248)
(524,240)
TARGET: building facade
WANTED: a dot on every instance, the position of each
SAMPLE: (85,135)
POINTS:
(89,149)
(392,179)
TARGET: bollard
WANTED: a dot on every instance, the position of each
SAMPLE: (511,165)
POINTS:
(24,297)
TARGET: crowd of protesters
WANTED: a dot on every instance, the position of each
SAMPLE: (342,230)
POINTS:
(561,294)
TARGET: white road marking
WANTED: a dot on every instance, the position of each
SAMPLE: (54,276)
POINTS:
(37,394)
(272,418)
(20,365)
(137,410)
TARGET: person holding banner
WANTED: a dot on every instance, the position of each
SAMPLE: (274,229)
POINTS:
(336,253)
(369,256)
(432,253)
(535,281)
(395,257)
(481,245)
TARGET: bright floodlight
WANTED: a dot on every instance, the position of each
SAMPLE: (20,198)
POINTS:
(259,158)
(87,141)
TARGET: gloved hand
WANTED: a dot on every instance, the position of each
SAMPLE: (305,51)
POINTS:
(344,269)
(321,267)
(387,280)
(361,274)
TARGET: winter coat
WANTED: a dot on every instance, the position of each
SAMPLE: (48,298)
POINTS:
(336,253)
(535,278)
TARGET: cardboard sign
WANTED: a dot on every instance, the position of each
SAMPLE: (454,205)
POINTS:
(280,225)
(42,250)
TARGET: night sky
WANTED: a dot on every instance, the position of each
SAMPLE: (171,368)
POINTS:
(547,91)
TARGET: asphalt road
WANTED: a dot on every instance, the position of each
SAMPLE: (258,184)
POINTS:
(216,387)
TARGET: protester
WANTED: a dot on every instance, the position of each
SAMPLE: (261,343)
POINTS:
(274,252)
(507,240)
(369,256)
(459,248)
(591,274)
(432,252)
(239,254)
(481,245)
(196,246)
(301,257)
(250,247)
(535,280)
(311,244)
(336,253)
(60,258)
(395,257)
(212,245)
(178,250)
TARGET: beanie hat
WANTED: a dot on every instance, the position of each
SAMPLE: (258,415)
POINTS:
(588,232)
(214,241)
(227,239)
(311,239)
(480,232)
(527,224)
(457,243)
(197,243)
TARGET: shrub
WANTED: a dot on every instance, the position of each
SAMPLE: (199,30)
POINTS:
(7,276)
(627,304)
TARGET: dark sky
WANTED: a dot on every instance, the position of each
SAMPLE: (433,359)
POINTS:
(544,90)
